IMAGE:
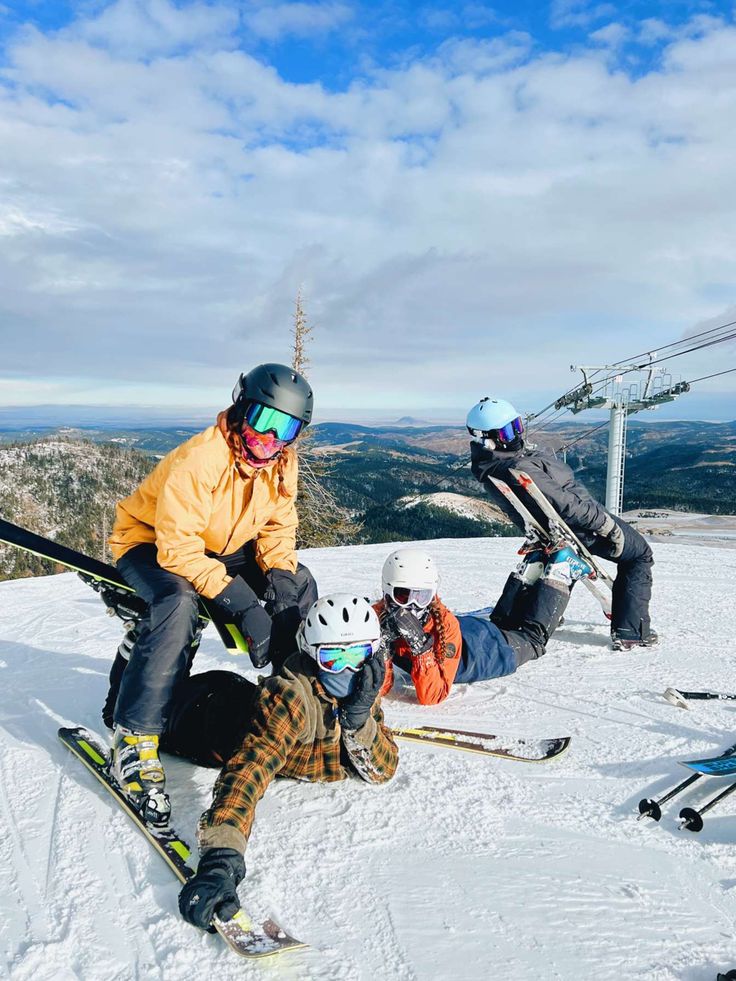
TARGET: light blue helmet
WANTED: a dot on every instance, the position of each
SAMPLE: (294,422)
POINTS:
(495,419)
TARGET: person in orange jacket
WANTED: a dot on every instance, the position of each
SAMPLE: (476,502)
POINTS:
(216,518)
(439,649)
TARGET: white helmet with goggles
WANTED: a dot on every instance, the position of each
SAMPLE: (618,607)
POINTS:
(340,632)
(410,578)
(496,420)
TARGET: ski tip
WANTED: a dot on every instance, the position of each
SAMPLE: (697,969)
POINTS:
(674,697)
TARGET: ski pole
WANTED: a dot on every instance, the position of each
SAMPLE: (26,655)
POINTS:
(692,820)
(652,808)
(675,696)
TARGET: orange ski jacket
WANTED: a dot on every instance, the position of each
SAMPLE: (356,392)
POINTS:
(431,673)
(197,501)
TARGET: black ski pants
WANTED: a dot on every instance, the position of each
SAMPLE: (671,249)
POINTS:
(162,654)
(632,588)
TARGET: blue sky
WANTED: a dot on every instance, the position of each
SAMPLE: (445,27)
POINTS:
(471,196)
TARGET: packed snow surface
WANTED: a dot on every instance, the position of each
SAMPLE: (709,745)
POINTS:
(461,868)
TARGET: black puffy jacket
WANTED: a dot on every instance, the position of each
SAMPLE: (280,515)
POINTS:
(555,479)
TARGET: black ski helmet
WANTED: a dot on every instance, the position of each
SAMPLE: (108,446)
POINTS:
(277,386)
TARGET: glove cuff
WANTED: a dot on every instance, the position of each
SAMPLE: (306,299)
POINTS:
(227,860)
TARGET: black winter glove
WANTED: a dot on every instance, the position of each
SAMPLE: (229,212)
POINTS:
(409,628)
(212,891)
(282,602)
(240,602)
(355,709)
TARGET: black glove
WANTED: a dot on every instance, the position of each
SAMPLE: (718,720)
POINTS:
(410,629)
(240,602)
(213,889)
(282,602)
(355,709)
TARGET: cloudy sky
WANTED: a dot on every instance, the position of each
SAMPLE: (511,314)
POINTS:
(472,196)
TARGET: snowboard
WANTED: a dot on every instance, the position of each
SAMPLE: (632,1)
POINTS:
(240,933)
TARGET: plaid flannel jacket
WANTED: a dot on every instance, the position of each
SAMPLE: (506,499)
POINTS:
(294,733)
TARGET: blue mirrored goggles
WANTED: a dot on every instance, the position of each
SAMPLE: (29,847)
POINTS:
(506,434)
(265,419)
(345,657)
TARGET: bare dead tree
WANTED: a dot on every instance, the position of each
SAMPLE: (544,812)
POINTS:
(322,520)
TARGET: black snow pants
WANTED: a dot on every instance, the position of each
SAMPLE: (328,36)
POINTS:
(632,588)
(165,639)
(209,717)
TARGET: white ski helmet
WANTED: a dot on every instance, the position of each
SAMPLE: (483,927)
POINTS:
(494,419)
(410,568)
(341,618)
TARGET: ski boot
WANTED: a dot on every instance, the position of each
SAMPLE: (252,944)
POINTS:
(619,643)
(566,566)
(137,768)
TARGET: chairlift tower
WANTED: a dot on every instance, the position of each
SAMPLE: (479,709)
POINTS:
(649,389)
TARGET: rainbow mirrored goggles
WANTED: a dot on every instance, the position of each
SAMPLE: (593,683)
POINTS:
(506,434)
(404,596)
(265,419)
(345,657)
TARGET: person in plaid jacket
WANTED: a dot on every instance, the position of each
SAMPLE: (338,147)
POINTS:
(318,719)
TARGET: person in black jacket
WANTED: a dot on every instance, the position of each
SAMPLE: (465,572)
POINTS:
(497,446)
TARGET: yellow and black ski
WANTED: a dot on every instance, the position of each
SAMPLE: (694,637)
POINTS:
(240,933)
(118,596)
(523,750)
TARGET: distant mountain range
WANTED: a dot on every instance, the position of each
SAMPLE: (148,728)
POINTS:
(407,480)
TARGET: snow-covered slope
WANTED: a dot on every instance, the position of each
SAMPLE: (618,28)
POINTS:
(461,868)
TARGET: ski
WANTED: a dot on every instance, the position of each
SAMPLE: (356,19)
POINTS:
(558,526)
(537,534)
(119,598)
(680,698)
(523,750)
(649,807)
(240,933)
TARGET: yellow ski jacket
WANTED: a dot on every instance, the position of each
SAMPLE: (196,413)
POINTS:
(197,500)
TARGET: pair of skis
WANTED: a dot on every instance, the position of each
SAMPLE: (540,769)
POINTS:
(555,535)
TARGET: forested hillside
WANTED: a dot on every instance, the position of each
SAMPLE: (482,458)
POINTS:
(67,490)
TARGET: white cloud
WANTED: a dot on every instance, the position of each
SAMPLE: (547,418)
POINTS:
(578,13)
(272,21)
(473,221)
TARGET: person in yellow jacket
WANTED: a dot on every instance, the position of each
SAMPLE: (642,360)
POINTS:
(216,518)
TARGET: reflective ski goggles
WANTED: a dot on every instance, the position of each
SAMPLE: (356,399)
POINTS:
(345,657)
(506,434)
(265,419)
(403,596)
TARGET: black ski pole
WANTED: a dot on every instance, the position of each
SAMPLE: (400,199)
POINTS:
(692,819)
(680,698)
(652,808)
